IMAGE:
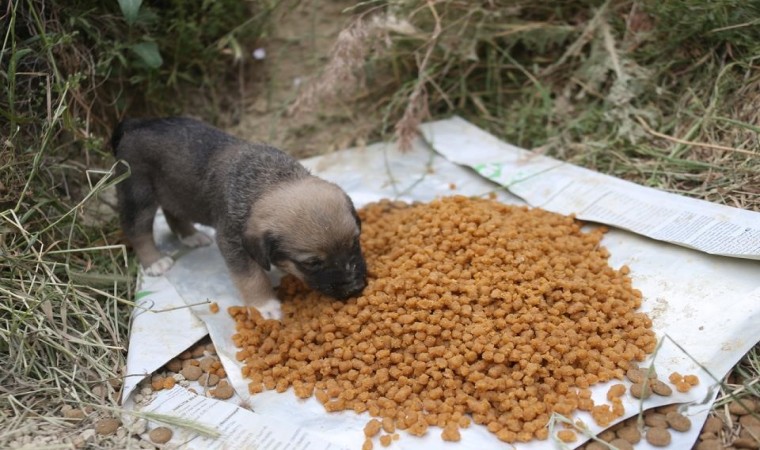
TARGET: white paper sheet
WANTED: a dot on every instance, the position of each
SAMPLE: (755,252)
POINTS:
(238,427)
(709,305)
(567,189)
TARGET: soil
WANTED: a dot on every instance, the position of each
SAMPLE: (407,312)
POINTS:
(301,40)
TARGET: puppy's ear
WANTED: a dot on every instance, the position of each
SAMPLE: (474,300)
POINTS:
(354,213)
(260,248)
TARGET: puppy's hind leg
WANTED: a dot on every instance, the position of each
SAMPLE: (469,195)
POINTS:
(186,232)
(137,209)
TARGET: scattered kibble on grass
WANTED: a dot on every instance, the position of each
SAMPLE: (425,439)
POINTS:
(160,435)
(105,427)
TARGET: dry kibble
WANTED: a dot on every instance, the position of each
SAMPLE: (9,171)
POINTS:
(692,380)
(742,406)
(367,444)
(191,373)
(683,386)
(105,427)
(385,440)
(660,388)
(709,444)
(207,363)
(208,379)
(752,431)
(749,420)
(630,433)
(169,382)
(615,391)
(157,383)
(746,443)
(607,435)
(665,409)
(185,355)
(160,435)
(473,309)
(678,421)
(74,414)
(174,365)
(621,444)
(223,391)
(658,437)
(640,391)
(197,351)
(189,362)
(636,375)
(213,307)
(388,425)
(451,433)
(596,446)
(372,428)
(653,419)
(567,436)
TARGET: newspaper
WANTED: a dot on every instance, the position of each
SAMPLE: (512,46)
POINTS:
(567,189)
(237,428)
(704,307)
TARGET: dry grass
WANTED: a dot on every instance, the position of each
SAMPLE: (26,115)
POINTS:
(588,84)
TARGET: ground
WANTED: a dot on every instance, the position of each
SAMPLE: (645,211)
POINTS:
(297,50)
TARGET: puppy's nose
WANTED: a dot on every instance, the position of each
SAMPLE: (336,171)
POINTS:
(359,285)
(356,287)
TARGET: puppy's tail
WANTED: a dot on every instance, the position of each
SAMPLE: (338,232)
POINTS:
(118,132)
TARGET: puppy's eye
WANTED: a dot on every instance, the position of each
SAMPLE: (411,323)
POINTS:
(311,263)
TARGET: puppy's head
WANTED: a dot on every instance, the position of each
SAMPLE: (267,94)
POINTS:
(309,228)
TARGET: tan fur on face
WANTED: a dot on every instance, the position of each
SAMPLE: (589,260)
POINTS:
(312,215)
(290,267)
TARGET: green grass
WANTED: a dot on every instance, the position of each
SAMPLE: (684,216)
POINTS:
(69,71)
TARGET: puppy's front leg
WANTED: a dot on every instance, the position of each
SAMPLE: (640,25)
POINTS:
(250,278)
(256,290)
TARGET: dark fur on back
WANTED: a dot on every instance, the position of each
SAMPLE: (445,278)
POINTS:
(227,167)
(255,195)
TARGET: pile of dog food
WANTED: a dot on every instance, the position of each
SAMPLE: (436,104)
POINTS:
(473,309)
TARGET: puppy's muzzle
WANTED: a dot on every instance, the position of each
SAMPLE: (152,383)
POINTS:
(341,284)
(350,289)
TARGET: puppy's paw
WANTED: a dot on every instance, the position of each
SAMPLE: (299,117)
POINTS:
(270,309)
(197,239)
(159,267)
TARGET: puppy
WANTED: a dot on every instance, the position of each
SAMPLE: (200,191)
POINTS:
(267,209)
